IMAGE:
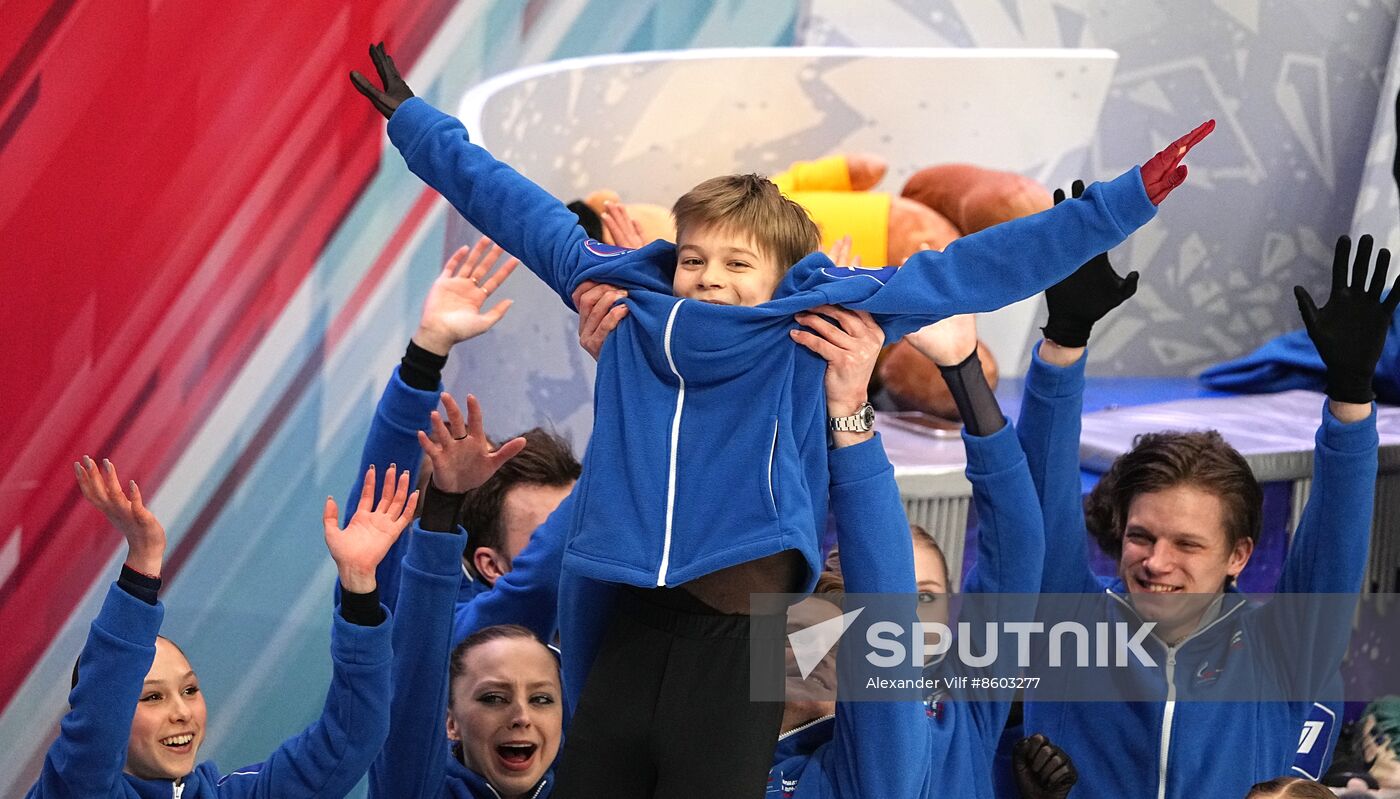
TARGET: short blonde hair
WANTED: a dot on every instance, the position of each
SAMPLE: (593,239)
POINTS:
(750,204)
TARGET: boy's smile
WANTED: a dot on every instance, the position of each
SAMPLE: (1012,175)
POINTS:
(722,266)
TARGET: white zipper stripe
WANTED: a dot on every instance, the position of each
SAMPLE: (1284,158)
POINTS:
(1169,711)
(772,448)
(675,446)
(1167,714)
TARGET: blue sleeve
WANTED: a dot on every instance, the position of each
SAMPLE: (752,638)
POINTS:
(1010,530)
(412,763)
(1049,433)
(1010,553)
(1009,262)
(1327,556)
(528,594)
(527,221)
(87,758)
(878,748)
(329,757)
(1329,550)
(393,438)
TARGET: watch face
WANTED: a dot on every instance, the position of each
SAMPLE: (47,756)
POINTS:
(867,416)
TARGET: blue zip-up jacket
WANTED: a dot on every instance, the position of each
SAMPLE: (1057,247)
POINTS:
(677,371)
(952,746)
(326,759)
(416,762)
(1195,748)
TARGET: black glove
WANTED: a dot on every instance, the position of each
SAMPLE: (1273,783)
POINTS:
(1086,296)
(395,90)
(1349,331)
(1043,770)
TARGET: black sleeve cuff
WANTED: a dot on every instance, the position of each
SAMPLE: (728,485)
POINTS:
(361,609)
(421,369)
(139,585)
(440,510)
(976,403)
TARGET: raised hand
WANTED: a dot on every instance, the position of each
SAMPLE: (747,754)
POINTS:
(462,456)
(361,545)
(621,227)
(1164,171)
(453,313)
(599,311)
(1043,770)
(1349,331)
(850,348)
(1086,296)
(947,342)
(145,537)
(840,252)
(395,91)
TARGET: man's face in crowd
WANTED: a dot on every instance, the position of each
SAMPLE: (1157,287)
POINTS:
(1176,555)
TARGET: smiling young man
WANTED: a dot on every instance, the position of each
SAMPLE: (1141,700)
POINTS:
(1183,512)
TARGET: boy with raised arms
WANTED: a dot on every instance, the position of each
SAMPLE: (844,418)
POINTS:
(705,478)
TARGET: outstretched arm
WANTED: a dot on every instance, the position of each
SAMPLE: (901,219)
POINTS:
(331,755)
(500,202)
(86,759)
(413,758)
(1328,552)
(453,312)
(1016,259)
(1051,411)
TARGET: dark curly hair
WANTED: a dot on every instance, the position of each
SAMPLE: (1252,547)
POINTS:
(1159,461)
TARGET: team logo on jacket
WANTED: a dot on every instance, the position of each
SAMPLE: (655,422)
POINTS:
(602,250)
(1205,675)
(933,704)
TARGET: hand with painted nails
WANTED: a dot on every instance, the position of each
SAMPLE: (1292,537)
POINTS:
(462,456)
(365,540)
(453,311)
(387,100)
(600,309)
(145,537)
(1165,171)
(1086,296)
(1349,331)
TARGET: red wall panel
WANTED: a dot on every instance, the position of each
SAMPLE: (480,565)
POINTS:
(171,173)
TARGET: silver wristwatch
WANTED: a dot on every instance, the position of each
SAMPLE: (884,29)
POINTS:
(862,421)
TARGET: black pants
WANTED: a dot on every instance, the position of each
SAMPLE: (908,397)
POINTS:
(666,710)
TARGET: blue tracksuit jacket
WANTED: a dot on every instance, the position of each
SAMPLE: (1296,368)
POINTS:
(1193,748)
(416,762)
(949,745)
(664,497)
(326,759)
